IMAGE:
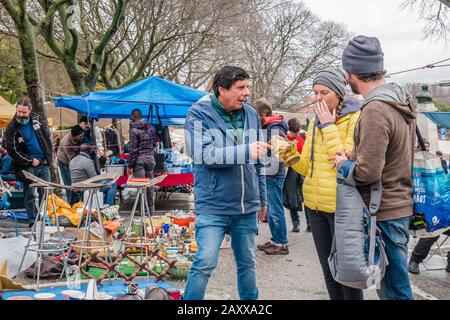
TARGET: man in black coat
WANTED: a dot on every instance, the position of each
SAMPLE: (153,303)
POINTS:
(29,144)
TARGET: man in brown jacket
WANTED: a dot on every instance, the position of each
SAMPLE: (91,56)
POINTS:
(69,147)
(384,149)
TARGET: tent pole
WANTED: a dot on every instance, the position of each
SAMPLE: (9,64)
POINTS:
(94,141)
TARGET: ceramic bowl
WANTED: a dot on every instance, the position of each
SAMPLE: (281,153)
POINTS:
(77,296)
(20,298)
(69,293)
(104,296)
(45,296)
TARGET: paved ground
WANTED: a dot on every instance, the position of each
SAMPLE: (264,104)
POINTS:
(299,276)
(296,276)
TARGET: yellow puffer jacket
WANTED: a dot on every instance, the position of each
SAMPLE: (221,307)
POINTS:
(319,188)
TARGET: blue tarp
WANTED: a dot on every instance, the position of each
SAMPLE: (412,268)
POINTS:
(441,119)
(171,100)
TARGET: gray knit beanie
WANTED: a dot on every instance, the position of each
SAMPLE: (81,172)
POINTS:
(333,79)
(363,55)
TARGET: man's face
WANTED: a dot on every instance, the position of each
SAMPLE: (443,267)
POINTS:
(78,138)
(23,114)
(233,98)
(353,82)
(427,147)
(83,125)
(262,118)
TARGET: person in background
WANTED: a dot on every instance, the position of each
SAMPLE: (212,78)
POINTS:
(421,251)
(68,149)
(274,125)
(142,150)
(6,166)
(84,124)
(29,144)
(82,168)
(56,144)
(293,183)
(98,156)
(440,155)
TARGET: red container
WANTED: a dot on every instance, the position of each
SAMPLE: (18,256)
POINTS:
(175,294)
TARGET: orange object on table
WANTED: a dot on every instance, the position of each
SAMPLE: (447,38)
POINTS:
(111,226)
(183,222)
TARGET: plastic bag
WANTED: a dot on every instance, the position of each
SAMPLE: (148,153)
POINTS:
(431,191)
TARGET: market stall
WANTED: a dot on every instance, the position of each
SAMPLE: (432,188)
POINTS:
(163,103)
(7,111)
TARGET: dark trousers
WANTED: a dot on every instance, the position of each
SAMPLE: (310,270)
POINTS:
(295,217)
(322,227)
(145,170)
(30,194)
(423,247)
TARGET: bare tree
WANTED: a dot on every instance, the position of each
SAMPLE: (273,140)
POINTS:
(117,42)
(23,26)
(436,14)
(285,47)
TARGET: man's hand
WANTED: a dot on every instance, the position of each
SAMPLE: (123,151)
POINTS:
(262,213)
(339,158)
(258,149)
(130,172)
(323,113)
(35,163)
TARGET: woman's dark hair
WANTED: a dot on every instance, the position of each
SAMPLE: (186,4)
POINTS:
(227,76)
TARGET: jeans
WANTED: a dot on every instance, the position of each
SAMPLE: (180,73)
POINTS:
(145,170)
(322,227)
(275,211)
(395,284)
(109,194)
(65,175)
(8,177)
(210,230)
(43,172)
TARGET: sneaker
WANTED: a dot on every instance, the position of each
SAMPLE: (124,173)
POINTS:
(275,250)
(264,246)
(308,229)
(296,229)
(413,267)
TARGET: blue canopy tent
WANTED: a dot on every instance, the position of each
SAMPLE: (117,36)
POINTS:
(161,100)
(441,119)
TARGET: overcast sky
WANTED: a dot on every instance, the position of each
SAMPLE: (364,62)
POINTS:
(399,31)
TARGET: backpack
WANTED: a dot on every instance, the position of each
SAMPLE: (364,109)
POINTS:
(357,257)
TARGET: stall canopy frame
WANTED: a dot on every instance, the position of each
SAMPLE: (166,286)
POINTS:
(441,119)
(153,96)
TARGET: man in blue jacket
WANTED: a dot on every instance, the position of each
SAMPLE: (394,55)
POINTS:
(224,140)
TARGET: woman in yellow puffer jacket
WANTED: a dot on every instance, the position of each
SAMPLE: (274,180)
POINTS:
(331,131)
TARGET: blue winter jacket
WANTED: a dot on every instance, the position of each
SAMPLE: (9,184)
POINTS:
(226,180)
